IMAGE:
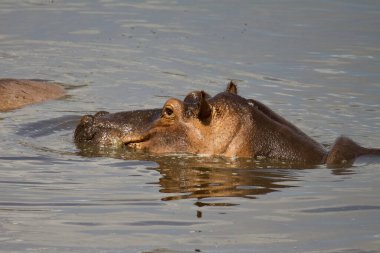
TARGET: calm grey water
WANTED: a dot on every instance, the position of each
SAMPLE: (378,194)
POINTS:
(315,62)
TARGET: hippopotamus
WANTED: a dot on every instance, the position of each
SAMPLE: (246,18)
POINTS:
(16,93)
(226,124)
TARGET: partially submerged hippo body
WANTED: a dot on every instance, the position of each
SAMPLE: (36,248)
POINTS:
(224,125)
(16,93)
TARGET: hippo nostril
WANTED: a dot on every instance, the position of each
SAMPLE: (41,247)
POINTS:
(87,119)
(101,113)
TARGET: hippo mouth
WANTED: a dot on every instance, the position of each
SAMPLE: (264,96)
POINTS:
(135,141)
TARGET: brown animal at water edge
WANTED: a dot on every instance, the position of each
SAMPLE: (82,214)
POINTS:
(224,125)
(16,93)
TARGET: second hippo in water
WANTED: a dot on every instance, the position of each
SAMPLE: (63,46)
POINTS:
(16,93)
(224,125)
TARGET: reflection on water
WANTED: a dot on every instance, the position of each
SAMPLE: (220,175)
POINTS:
(194,177)
(203,178)
(205,182)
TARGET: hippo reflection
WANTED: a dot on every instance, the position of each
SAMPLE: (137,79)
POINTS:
(224,125)
(202,178)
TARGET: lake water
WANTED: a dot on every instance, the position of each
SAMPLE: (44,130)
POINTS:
(316,62)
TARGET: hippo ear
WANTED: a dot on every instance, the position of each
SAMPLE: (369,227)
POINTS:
(231,87)
(195,96)
(204,107)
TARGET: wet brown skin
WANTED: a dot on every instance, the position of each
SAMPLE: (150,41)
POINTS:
(16,93)
(224,125)
(109,129)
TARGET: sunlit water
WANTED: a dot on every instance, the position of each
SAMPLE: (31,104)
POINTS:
(317,63)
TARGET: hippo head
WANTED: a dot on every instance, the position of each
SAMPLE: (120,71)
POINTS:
(200,124)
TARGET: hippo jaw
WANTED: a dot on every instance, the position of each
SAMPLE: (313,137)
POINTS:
(135,141)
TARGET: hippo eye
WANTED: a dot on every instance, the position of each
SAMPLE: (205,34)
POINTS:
(168,112)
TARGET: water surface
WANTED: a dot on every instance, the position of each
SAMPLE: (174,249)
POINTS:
(317,63)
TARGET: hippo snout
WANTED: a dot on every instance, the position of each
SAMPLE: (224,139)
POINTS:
(84,131)
(113,129)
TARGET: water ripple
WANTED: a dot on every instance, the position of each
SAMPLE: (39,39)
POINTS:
(342,209)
